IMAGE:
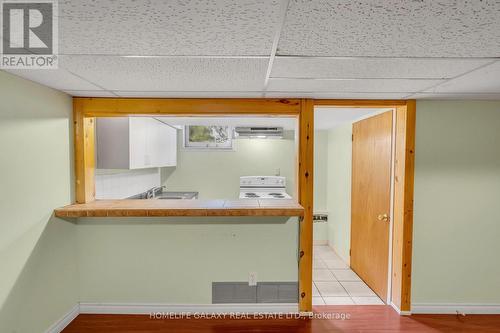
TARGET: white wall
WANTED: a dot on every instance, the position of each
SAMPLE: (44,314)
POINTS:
(339,189)
(332,187)
(121,184)
(215,174)
(38,270)
(320,229)
(320,170)
(457,193)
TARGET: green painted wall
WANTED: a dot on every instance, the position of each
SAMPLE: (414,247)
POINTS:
(339,189)
(38,275)
(320,229)
(457,193)
(216,174)
(320,169)
(332,187)
(175,260)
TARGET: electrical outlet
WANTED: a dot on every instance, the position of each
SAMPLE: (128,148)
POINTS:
(252,278)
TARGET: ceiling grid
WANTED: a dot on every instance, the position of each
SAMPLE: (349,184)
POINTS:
(278,48)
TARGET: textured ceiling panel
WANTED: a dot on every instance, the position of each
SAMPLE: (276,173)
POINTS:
(55,78)
(90,93)
(190,94)
(335,86)
(401,95)
(170,74)
(306,67)
(183,27)
(451,96)
(483,80)
(389,28)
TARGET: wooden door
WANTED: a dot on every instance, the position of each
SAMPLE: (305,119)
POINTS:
(370,200)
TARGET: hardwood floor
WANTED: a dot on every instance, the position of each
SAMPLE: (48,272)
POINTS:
(374,318)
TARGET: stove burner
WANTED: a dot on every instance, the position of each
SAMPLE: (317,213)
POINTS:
(276,194)
(251,195)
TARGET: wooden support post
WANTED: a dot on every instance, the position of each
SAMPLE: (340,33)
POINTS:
(306,158)
(84,131)
(403,205)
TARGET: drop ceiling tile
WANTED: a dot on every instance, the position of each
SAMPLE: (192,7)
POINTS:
(170,74)
(55,78)
(353,85)
(190,94)
(391,28)
(483,80)
(337,95)
(311,67)
(187,27)
(90,93)
(456,96)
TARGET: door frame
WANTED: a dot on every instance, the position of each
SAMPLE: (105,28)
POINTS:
(402,181)
(85,109)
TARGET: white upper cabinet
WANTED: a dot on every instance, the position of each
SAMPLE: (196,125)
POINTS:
(135,143)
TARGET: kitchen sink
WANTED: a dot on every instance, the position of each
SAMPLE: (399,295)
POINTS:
(160,193)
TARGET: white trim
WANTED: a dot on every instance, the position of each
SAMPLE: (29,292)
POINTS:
(147,308)
(61,324)
(455,308)
(401,313)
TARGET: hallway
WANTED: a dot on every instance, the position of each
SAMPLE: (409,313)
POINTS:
(334,283)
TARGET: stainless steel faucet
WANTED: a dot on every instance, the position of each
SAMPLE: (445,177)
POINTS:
(151,194)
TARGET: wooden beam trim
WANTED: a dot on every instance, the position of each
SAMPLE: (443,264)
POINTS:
(403,206)
(84,150)
(119,107)
(409,174)
(306,162)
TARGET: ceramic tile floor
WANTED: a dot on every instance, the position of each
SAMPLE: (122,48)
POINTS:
(335,284)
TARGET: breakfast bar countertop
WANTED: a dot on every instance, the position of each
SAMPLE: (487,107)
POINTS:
(158,208)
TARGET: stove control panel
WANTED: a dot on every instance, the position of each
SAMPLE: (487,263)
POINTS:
(262,181)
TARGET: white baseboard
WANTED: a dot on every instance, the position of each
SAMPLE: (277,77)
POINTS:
(401,313)
(58,326)
(454,308)
(143,308)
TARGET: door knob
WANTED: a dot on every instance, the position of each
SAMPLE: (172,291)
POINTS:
(383,217)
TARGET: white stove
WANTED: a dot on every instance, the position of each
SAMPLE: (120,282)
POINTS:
(263,187)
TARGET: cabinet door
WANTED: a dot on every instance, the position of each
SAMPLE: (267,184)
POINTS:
(166,145)
(141,136)
(172,146)
(112,136)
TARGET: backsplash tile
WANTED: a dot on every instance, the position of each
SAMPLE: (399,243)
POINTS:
(121,184)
